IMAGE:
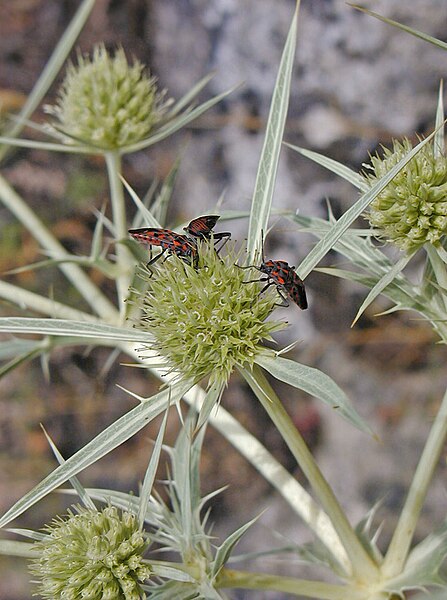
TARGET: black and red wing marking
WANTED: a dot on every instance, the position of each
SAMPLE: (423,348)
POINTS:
(202,228)
(167,240)
(281,274)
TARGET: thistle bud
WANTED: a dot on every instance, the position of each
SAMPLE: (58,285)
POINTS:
(92,555)
(412,209)
(107,102)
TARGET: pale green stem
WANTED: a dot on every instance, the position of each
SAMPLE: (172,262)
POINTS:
(403,534)
(248,446)
(125,262)
(49,146)
(439,269)
(30,300)
(364,569)
(229,578)
(298,587)
(19,549)
(99,303)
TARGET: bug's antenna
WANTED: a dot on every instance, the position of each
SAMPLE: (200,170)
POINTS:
(262,245)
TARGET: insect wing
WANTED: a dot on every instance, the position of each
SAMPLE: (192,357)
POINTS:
(297,291)
(151,236)
(202,226)
(181,245)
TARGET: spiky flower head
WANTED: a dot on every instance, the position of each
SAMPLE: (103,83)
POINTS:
(412,209)
(94,555)
(107,102)
(205,320)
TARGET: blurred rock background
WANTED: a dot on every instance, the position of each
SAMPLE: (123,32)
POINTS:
(357,84)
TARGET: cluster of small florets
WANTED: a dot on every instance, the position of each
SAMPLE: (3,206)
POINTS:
(412,209)
(106,102)
(94,555)
(204,319)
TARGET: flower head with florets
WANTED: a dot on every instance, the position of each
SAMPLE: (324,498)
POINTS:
(96,555)
(204,319)
(107,102)
(412,209)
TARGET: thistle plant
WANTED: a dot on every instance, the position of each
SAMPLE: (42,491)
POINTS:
(186,323)
(92,554)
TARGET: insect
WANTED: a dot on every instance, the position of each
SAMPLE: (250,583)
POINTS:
(201,228)
(281,274)
(169,241)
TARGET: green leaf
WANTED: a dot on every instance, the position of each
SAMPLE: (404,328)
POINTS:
(177,123)
(77,486)
(150,220)
(339,228)
(313,382)
(160,206)
(211,400)
(36,536)
(356,246)
(224,551)
(423,565)
(382,284)
(52,67)
(171,573)
(190,95)
(268,164)
(48,146)
(105,266)
(439,144)
(415,32)
(186,480)
(332,165)
(109,439)
(121,500)
(97,240)
(180,590)
(16,346)
(151,471)
(18,360)
(63,327)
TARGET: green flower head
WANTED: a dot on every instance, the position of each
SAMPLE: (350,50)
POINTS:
(106,102)
(412,209)
(205,320)
(93,555)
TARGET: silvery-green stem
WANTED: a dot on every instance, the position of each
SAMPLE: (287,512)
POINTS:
(290,585)
(125,261)
(364,569)
(41,304)
(440,271)
(403,534)
(99,303)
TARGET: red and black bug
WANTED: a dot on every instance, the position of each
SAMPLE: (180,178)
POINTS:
(281,274)
(201,228)
(169,241)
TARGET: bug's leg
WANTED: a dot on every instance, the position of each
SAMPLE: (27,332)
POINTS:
(285,301)
(259,281)
(156,257)
(267,285)
(222,237)
(248,267)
